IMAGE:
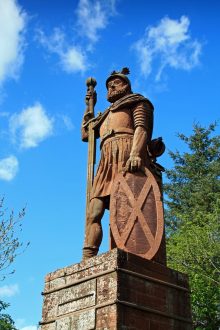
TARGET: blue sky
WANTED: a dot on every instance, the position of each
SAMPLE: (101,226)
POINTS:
(47,50)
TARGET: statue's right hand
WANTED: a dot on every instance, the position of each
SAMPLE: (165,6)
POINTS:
(87,120)
(90,95)
(87,116)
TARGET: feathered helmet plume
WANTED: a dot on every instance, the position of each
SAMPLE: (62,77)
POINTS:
(120,74)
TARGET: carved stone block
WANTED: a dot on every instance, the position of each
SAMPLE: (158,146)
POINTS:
(116,290)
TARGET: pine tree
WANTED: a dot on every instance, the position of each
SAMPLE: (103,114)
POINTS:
(192,221)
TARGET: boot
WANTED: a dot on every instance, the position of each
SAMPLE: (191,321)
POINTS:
(89,252)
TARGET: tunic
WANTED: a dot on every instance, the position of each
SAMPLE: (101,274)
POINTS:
(116,129)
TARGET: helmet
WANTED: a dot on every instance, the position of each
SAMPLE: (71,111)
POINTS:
(119,74)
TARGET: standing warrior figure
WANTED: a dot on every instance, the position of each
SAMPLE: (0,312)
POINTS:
(125,131)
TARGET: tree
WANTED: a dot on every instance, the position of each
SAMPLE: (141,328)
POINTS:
(6,322)
(10,247)
(192,221)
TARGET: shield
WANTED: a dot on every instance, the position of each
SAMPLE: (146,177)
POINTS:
(136,213)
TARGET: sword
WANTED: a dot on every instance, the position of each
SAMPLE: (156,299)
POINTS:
(91,101)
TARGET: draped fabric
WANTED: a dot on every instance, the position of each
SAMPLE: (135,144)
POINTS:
(114,155)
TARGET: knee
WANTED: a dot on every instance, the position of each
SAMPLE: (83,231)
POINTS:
(96,211)
(94,216)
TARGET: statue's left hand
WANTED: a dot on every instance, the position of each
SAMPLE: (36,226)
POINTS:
(133,164)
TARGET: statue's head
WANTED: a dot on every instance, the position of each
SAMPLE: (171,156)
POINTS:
(118,85)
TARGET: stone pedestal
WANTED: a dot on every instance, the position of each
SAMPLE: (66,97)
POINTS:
(116,290)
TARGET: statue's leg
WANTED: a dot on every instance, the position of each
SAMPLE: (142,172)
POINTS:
(94,228)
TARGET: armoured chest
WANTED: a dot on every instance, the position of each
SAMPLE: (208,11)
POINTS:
(117,120)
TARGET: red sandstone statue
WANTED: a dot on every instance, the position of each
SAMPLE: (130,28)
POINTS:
(125,131)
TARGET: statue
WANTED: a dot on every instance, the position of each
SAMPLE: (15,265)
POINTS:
(128,157)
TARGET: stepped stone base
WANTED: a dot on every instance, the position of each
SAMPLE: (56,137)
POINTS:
(116,290)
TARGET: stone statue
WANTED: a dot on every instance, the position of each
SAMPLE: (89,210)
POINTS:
(125,131)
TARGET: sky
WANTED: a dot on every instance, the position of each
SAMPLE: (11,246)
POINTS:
(47,51)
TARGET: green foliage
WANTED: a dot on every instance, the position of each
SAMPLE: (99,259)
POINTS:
(10,247)
(6,322)
(192,221)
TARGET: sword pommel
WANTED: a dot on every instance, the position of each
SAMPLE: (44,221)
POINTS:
(91,82)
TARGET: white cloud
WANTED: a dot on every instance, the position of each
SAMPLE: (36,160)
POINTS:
(93,15)
(67,122)
(31,126)
(72,58)
(8,170)
(9,290)
(168,44)
(29,327)
(12,26)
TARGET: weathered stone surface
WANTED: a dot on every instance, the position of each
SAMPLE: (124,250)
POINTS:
(107,318)
(83,321)
(78,271)
(64,323)
(50,326)
(106,288)
(50,305)
(117,290)
(77,297)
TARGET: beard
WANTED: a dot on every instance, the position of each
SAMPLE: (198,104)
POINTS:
(116,95)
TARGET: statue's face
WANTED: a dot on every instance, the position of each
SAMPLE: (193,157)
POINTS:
(117,88)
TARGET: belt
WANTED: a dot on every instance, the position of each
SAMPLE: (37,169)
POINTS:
(113,132)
